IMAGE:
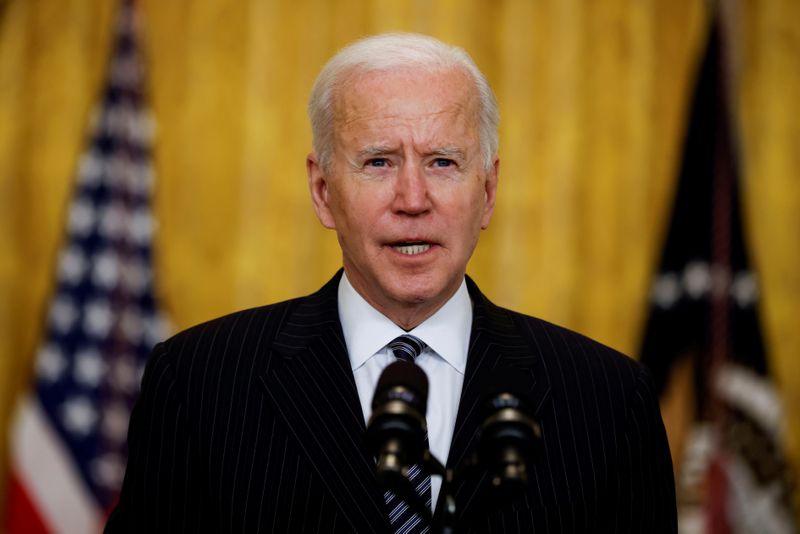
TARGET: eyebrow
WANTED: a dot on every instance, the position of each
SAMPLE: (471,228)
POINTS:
(447,151)
(375,150)
(382,150)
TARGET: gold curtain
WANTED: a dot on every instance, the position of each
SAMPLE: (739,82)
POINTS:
(766,71)
(593,100)
(52,59)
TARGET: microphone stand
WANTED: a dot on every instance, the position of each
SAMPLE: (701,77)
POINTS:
(448,519)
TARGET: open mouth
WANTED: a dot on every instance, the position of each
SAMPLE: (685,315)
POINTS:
(411,249)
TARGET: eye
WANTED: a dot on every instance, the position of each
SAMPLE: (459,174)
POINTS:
(377,162)
(443,162)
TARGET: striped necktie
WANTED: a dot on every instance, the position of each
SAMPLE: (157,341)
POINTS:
(402,519)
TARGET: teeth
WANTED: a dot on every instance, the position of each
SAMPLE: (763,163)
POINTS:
(411,249)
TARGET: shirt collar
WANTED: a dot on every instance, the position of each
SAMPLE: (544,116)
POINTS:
(367,331)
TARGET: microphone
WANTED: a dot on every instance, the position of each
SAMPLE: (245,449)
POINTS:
(510,436)
(397,428)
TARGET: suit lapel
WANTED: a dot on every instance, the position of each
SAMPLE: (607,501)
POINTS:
(311,385)
(495,343)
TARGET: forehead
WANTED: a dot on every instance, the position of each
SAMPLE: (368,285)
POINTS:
(406,95)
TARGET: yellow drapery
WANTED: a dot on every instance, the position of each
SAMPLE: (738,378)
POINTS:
(766,71)
(593,100)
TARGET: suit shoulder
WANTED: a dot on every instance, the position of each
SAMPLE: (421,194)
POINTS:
(583,373)
(268,313)
(241,322)
(213,344)
(555,340)
(267,319)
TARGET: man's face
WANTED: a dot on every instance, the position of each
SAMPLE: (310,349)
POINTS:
(406,190)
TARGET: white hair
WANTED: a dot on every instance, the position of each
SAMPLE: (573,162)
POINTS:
(389,51)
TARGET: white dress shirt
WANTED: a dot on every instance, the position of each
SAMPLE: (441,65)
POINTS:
(446,333)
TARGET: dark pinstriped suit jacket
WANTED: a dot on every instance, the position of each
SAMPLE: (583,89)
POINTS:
(252,423)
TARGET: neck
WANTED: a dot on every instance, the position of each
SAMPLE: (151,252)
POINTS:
(406,315)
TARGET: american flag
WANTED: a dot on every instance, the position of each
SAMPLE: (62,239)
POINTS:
(69,435)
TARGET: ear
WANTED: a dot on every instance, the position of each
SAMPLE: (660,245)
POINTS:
(490,192)
(318,186)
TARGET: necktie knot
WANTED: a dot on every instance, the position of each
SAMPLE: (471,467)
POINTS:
(407,347)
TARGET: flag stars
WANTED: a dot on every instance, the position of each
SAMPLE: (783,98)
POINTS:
(89,367)
(79,416)
(105,272)
(141,226)
(126,71)
(108,471)
(135,276)
(112,221)
(744,289)
(126,120)
(90,169)
(156,329)
(63,314)
(124,376)
(141,179)
(115,422)
(666,290)
(82,217)
(118,221)
(697,279)
(118,164)
(132,325)
(72,265)
(98,319)
(50,363)
(120,120)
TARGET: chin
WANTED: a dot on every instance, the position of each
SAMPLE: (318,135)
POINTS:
(420,289)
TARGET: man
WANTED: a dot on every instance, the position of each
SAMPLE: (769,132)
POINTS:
(256,421)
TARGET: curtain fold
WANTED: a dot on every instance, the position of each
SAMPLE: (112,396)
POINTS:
(765,50)
(593,101)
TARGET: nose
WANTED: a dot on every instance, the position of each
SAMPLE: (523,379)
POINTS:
(411,191)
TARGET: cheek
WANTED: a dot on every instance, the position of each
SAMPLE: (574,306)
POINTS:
(357,219)
(473,209)
(474,221)
(344,204)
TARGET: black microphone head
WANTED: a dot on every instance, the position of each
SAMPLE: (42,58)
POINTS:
(515,383)
(397,426)
(403,381)
(510,436)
